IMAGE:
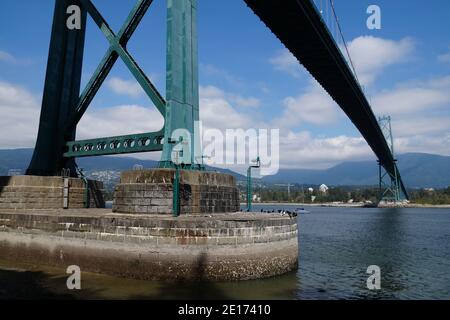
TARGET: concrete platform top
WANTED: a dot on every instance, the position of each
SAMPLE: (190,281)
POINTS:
(107,213)
(186,177)
(42,182)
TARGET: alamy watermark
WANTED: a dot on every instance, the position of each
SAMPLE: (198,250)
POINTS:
(228,147)
(74,20)
(374,20)
(74,280)
(374,281)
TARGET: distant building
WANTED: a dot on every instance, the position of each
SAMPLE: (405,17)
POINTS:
(323,188)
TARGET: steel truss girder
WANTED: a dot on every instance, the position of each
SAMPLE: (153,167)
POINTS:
(117,49)
(135,143)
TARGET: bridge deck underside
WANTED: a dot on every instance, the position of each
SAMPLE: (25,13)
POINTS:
(300,28)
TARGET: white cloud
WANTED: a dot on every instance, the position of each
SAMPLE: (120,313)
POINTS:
(285,61)
(409,100)
(314,106)
(19,117)
(371,55)
(444,57)
(296,149)
(414,132)
(119,120)
(9,58)
(130,88)
(414,99)
(301,149)
(218,112)
(431,125)
(438,144)
(212,70)
(207,92)
(125,87)
(247,102)
(20,110)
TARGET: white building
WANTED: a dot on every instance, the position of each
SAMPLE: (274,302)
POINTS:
(256,198)
(323,188)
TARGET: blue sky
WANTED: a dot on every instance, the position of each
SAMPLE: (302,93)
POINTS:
(247,78)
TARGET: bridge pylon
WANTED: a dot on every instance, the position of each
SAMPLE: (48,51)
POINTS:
(389,181)
(64,105)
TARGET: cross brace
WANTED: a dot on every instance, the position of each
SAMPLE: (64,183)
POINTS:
(115,145)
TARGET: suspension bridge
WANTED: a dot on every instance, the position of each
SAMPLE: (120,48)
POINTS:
(178,207)
(306,28)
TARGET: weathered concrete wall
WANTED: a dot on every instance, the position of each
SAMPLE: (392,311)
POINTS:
(33,192)
(151,192)
(226,247)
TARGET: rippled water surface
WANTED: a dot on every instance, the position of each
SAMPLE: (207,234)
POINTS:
(411,246)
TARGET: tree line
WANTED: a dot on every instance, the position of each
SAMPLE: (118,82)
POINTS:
(342,194)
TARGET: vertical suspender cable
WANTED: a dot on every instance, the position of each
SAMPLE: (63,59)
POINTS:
(343,40)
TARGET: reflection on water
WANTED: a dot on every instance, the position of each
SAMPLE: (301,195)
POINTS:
(411,246)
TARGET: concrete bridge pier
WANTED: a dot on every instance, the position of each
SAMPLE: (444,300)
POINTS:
(210,241)
(45,193)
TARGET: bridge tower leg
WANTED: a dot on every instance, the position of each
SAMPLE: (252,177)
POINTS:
(63,107)
(182,92)
(389,186)
(389,183)
(61,92)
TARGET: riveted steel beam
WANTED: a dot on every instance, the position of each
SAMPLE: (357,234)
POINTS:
(134,143)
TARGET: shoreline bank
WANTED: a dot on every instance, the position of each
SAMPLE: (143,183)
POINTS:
(346,205)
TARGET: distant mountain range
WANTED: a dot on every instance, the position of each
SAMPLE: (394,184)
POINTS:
(418,170)
(20,159)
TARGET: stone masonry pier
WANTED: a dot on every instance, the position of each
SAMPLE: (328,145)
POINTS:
(34,192)
(238,246)
(151,192)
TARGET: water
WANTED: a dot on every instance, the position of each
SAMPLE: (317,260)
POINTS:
(411,246)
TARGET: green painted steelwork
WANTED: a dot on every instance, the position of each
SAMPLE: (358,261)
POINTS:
(182,109)
(116,145)
(61,93)
(63,109)
(389,183)
(122,144)
(249,183)
(176,192)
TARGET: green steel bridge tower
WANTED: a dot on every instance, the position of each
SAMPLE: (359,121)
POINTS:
(389,183)
(64,104)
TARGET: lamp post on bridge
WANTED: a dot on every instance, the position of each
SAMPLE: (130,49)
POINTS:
(249,182)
